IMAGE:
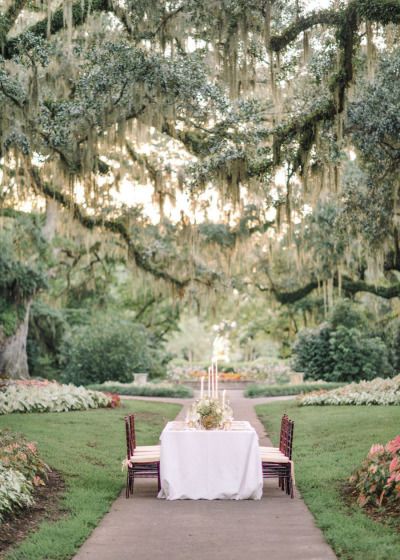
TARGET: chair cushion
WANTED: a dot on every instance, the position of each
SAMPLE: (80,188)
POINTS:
(147,448)
(145,458)
(274,458)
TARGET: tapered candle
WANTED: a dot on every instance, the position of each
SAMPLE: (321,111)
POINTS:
(216,379)
(202,387)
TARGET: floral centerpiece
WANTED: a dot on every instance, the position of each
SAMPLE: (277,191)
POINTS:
(209,414)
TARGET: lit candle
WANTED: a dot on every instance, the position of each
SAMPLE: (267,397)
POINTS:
(216,379)
(202,387)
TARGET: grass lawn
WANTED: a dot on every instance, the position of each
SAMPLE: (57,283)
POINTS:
(87,448)
(329,443)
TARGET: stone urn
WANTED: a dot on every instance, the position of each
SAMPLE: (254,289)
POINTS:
(140,378)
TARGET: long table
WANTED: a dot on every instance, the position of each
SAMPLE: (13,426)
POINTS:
(210,464)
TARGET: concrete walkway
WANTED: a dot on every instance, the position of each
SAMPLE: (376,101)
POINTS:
(145,528)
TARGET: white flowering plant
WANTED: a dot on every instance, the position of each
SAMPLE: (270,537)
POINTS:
(49,397)
(376,392)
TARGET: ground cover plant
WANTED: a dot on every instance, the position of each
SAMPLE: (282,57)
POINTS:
(87,448)
(377,481)
(254,391)
(148,390)
(376,392)
(21,470)
(330,443)
(44,396)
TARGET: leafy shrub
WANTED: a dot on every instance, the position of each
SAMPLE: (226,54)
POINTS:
(377,481)
(110,350)
(356,356)
(21,469)
(312,352)
(47,327)
(21,455)
(342,349)
(254,391)
(149,390)
(15,491)
(48,397)
(379,391)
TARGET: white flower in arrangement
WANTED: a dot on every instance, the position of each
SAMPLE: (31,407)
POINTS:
(209,414)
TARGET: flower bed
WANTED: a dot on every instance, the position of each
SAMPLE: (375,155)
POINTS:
(377,482)
(44,396)
(21,469)
(376,392)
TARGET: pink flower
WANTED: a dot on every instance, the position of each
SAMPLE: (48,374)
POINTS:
(375,449)
(373,468)
(394,464)
(394,445)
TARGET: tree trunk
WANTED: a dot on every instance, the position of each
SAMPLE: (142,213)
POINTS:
(13,357)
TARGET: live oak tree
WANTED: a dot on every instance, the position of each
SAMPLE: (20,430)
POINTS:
(288,114)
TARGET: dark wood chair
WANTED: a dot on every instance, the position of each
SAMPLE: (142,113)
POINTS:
(279,464)
(151,448)
(282,437)
(140,463)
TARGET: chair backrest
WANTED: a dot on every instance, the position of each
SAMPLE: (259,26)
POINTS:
(289,439)
(283,433)
(129,432)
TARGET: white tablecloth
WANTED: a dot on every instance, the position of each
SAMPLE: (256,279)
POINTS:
(210,464)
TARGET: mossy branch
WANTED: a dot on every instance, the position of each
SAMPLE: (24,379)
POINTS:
(81,11)
(350,287)
(114,226)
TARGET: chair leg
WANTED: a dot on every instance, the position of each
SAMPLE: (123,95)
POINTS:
(128,486)
(158,477)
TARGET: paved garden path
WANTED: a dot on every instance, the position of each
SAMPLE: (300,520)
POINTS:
(145,528)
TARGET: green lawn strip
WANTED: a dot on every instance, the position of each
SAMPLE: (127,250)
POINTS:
(87,448)
(129,389)
(330,442)
(253,391)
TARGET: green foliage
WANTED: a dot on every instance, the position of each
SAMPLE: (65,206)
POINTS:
(148,390)
(110,349)
(18,282)
(11,316)
(255,391)
(312,353)
(47,327)
(357,356)
(341,350)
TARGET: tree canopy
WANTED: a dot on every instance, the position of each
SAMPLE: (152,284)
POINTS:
(283,118)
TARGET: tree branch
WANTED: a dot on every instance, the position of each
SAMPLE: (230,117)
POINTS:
(324,17)
(350,287)
(81,10)
(114,226)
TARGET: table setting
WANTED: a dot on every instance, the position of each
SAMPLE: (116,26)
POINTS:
(210,455)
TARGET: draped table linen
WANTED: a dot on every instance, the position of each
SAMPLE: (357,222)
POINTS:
(210,464)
